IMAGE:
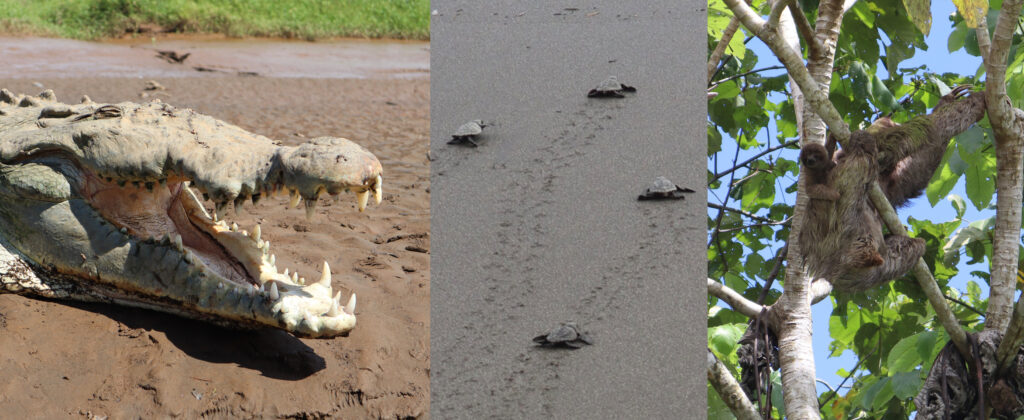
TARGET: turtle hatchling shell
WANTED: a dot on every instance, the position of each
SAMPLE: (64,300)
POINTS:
(565,334)
(662,188)
(471,128)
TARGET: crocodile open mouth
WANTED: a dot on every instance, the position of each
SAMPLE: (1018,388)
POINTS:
(170,213)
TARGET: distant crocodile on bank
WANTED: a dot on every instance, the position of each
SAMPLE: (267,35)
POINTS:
(97,204)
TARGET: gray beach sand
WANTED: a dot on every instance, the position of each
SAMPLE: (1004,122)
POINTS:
(541,223)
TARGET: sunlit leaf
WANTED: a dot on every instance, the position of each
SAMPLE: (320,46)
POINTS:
(973,11)
(920,14)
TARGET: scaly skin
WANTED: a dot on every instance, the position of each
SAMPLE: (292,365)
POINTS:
(95,205)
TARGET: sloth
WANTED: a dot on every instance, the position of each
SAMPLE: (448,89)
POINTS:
(818,163)
(842,239)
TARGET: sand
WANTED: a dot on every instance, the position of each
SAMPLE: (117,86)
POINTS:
(541,223)
(64,359)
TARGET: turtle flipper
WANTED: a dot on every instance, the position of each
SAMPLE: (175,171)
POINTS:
(575,344)
(628,88)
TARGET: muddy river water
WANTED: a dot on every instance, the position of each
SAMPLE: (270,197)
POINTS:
(47,57)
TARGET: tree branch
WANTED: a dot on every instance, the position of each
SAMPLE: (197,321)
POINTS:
(775,14)
(1009,144)
(727,388)
(716,55)
(816,98)
(734,299)
(804,28)
(820,289)
(923,275)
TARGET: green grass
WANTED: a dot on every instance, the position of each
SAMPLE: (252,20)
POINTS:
(303,19)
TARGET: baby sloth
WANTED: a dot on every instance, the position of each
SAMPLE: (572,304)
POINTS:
(842,239)
(818,163)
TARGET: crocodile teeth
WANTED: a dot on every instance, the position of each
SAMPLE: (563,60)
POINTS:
(302,281)
(335,306)
(274,294)
(234,227)
(295,199)
(251,289)
(295,277)
(222,209)
(177,242)
(310,207)
(378,193)
(255,234)
(350,307)
(238,204)
(325,276)
(362,198)
(286,272)
(273,260)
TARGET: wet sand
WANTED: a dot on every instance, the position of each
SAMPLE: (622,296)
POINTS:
(137,57)
(62,359)
(541,223)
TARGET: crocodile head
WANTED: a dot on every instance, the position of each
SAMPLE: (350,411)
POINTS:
(97,203)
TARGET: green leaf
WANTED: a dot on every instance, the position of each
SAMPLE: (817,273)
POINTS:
(860,79)
(863,11)
(877,395)
(958,204)
(714,140)
(905,385)
(883,99)
(980,177)
(905,355)
(957,37)
(724,339)
(945,178)
(920,14)
(969,141)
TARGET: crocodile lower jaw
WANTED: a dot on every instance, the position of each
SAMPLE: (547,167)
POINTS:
(233,262)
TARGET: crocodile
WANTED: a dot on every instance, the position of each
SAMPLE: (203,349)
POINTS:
(99,202)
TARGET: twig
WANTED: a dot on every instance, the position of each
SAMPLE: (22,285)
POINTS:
(753,158)
(964,304)
(852,371)
(743,212)
(737,76)
(780,256)
(782,222)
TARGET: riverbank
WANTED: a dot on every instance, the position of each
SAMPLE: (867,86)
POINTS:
(300,19)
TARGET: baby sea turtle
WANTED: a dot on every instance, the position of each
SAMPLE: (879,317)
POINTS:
(610,88)
(566,334)
(663,189)
(465,134)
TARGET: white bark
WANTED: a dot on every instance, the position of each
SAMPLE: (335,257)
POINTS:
(727,387)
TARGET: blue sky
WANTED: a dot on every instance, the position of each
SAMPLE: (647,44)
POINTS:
(938,59)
